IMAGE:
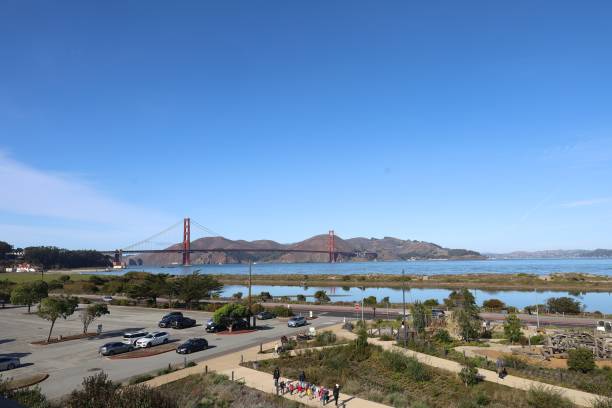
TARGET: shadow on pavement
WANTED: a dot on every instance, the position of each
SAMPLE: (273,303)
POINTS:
(2,341)
(115,333)
(18,355)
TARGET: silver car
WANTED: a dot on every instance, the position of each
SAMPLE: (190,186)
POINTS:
(8,363)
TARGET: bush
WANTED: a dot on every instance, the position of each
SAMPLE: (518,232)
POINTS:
(282,311)
(537,339)
(602,402)
(442,336)
(402,364)
(140,378)
(581,359)
(469,374)
(325,338)
(563,305)
(543,397)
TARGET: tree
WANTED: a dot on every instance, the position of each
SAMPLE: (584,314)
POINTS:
(321,296)
(6,287)
(53,308)
(469,374)
(563,305)
(91,313)
(431,302)
(195,287)
(231,312)
(151,287)
(468,326)
(53,257)
(371,301)
(494,304)
(28,293)
(5,248)
(419,317)
(237,295)
(301,298)
(361,342)
(512,328)
(581,359)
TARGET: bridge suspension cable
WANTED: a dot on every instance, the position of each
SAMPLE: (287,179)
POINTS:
(152,237)
(205,229)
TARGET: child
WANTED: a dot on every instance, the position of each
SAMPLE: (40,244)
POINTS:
(282,387)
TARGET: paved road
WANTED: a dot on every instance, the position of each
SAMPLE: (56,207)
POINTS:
(68,362)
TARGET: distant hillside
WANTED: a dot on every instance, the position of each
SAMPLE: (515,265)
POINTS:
(555,253)
(388,249)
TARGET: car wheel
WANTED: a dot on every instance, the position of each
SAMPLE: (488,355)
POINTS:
(11,366)
(148,345)
(165,341)
(130,349)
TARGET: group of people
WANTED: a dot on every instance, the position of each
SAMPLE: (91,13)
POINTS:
(305,389)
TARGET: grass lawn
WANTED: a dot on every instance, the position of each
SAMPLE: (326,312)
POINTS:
(217,391)
(20,277)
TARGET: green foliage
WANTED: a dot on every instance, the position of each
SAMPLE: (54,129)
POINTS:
(563,305)
(602,402)
(91,313)
(301,298)
(99,391)
(195,287)
(537,339)
(442,336)
(469,374)
(237,295)
(5,291)
(282,311)
(325,338)
(370,301)
(581,359)
(54,308)
(405,365)
(5,248)
(140,379)
(495,304)
(419,317)
(431,302)
(321,296)
(512,328)
(544,397)
(28,293)
(230,311)
(27,397)
(468,325)
(361,342)
(265,296)
(58,258)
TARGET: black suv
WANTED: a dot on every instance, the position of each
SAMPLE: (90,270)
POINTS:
(192,345)
(212,327)
(182,322)
(168,320)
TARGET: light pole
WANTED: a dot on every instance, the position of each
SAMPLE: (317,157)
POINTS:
(404,305)
(250,281)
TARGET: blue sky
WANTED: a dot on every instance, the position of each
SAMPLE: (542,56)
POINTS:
(482,125)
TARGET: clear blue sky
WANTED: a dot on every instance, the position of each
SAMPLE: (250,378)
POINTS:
(482,125)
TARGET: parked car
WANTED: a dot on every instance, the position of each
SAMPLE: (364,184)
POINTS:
(167,321)
(116,347)
(212,327)
(265,315)
(192,345)
(107,298)
(437,313)
(297,321)
(132,337)
(182,322)
(172,314)
(152,339)
(8,363)
(240,325)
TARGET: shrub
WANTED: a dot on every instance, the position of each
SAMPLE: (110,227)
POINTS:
(543,397)
(321,296)
(469,374)
(442,336)
(325,338)
(602,402)
(409,366)
(563,305)
(537,339)
(282,311)
(581,359)
(512,328)
(431,302)
(237,295)
(140,378)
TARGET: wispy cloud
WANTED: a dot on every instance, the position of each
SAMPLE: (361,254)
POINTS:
(32,192)
(587,203)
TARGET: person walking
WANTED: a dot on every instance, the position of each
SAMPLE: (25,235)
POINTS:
(302,378)
(276,376)
(336,393)
(499,364)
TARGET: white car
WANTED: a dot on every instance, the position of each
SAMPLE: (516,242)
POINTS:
(132,337)
(152,339)
(107,299)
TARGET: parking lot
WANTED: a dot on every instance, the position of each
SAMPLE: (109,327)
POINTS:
(68,362)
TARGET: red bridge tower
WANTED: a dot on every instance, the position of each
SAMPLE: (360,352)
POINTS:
(186,240)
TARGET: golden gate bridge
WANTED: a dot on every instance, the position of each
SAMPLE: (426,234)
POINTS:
(144,246)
